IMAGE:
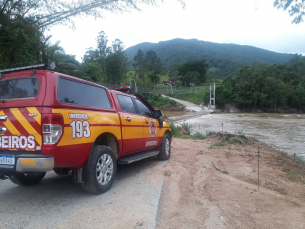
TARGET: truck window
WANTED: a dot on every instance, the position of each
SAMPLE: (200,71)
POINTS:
(143,109)
(21,88)
(82,94)
(126,104)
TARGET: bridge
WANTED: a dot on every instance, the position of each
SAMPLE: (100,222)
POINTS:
(163,89)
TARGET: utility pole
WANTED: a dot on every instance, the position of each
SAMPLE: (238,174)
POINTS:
(212,104)
(136,89)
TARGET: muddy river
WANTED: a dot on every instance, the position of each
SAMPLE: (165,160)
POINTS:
(285,132)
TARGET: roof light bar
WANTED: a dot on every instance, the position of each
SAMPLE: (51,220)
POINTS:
(37,66)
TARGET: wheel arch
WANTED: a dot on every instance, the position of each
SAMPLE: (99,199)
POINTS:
(105,138)
(169,133)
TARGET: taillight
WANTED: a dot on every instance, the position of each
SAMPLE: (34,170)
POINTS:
(52,127)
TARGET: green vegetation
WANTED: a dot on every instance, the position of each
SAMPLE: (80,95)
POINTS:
(200,152)
(160,102)
(293,166)
(167,173)
(266,87)
(295,8)
(223,59)
(177,134)
(235,140)
(193,72)
(198,136)
(217,144)
(197,98)
(187,127)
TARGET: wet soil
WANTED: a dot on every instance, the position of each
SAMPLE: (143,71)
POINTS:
(196,195)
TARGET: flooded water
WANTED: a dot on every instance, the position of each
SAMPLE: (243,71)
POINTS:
(285,132)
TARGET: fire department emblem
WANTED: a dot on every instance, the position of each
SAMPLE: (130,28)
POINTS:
(152,127)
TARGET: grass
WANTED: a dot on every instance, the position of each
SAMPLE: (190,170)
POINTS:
(235,141)
(293,166)
(217,144)
(196,98)
(186,126)
(158,101)
(167,173)
(200,152)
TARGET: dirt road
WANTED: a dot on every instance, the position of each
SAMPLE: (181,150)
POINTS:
(57,202)
(196,195)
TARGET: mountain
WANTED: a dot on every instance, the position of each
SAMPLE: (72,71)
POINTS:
(224,59)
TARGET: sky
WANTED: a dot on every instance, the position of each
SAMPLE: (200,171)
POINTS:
(245,22)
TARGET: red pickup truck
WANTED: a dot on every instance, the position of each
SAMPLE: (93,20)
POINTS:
(51,121)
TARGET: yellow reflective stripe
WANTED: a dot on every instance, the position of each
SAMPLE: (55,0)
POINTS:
(33,110)
(26,161)
(26,124)
(10,126)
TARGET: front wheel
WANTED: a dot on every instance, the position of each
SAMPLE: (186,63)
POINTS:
(101,172)
(27,179)
(165,149)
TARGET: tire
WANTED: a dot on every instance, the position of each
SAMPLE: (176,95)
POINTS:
(104,160)
(61,171)
(165,149)
(27,179)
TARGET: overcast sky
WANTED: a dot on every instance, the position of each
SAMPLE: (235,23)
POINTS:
(245,22)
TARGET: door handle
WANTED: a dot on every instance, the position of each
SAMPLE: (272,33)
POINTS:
(3,118)
(128,119)
(2,130)
(146,121)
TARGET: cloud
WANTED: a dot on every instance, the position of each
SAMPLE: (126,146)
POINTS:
(251,22)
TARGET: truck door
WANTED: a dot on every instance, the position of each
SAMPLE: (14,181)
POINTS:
(151,135)
(132,125)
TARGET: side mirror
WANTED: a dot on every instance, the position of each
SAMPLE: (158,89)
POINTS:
(158,113)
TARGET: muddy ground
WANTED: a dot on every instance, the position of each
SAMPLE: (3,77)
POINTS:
(196,195)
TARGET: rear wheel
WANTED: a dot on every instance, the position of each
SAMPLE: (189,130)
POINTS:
(101,172)
(27,179)
(165,149)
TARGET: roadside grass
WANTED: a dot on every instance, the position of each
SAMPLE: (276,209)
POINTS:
(163,103)
(176,132)
(235,141)
(200,152)
(196,98)
(186,126)
(167,173)
(217,144)
(293,166)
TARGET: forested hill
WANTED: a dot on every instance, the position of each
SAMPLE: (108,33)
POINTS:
(224,59)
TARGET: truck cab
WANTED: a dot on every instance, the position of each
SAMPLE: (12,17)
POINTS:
(51,121)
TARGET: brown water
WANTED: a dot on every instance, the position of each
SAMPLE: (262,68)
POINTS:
(285,132)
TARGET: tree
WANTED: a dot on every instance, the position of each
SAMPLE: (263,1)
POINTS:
(117,45)
(92,72)
(67,63)
(112,60)
(140,64)
(153,62)
(153,77)
(295,8)
(199,66)
(173,73)
(191,77)
(49,12)
(20,43)
(116,67)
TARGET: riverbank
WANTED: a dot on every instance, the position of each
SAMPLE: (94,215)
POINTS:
(196,195)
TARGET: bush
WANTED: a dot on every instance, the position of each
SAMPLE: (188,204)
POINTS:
(156,100)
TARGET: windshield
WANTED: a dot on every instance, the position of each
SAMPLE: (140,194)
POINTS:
(21,88)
